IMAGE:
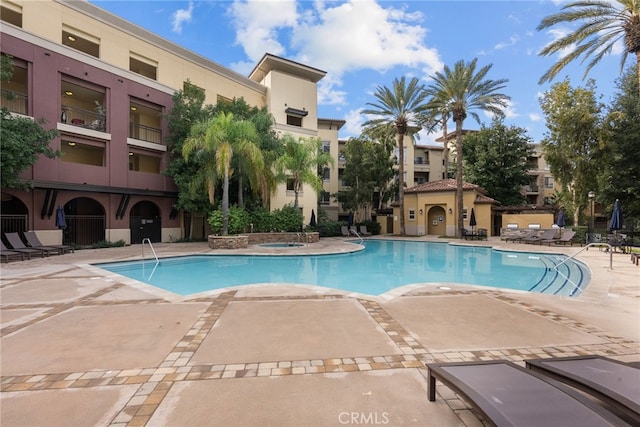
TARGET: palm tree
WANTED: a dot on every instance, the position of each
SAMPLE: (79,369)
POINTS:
(215,141)
(603,24)
(300,163)
(403,108)
(459,91)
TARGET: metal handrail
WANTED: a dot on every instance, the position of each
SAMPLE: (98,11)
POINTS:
(352,231)
(599,244)
(147,240)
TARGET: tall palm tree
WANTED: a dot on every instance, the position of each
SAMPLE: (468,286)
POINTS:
(460,91)
(603,23)
(300,162)
(402,107)
(215,141)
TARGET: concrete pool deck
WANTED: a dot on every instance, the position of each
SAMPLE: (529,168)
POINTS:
(84,347)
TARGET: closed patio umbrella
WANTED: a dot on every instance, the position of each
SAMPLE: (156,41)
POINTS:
(616,217)
(61,223)
(313,218)
(472,221)
(561,222)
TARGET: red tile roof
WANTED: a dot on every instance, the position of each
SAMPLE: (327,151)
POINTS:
(450,185)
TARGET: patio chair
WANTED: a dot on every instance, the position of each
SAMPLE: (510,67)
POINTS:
(50,250)
(8,254)
(32,240)
(364,231)
(611,381)
(565,238)
(18,246)
(353,231)
(506,394)
(537,238)
(521,236)
(345,231)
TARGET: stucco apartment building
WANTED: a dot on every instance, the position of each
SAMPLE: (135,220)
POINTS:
(106,85)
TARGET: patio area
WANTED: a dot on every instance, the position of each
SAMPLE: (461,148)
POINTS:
(83,347)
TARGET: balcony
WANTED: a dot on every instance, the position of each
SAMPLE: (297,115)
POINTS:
(531,189)
(420,164)
(83,118)
(145,133)
(15,102)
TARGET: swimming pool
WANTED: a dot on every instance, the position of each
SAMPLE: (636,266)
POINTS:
(383,265)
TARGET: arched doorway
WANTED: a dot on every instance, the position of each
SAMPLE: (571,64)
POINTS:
(144,222)
(14,214)
(436,221)
(85,220)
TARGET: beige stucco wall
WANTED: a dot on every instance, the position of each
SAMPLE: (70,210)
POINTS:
(439,213)
(541,220)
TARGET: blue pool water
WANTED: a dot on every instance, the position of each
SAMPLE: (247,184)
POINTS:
(382,266)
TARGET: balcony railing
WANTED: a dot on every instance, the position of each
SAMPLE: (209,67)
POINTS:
(83,118)
(16,102)
(145,133)
(533,188)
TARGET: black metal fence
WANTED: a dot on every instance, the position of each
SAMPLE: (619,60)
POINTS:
(84,230)
(14,223)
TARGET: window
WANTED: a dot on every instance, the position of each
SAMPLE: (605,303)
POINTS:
(326,147)
(145,121)
(418,161)
(14,95)
(144,163)
(81,41)
(290,184)
(83,105)
(143,66)
(11,13)
(294,120)
(324,198)
(548,182)
(223,100)
(464,213)
(326,174)
(82,153)
(396,153)
(412,214)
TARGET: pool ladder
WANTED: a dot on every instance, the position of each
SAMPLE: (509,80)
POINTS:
(148,241)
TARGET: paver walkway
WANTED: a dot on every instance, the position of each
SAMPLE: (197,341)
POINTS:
(84,348)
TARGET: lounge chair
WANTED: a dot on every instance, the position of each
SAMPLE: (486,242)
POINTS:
(8,254)
(363,231)
(537,238)
(32,240)
(506,394)
(521,236)
(18,246)
(611,381)
(564,239)
(345,231)
(49,250)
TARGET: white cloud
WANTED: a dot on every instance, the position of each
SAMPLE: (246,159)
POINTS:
(181,16)
(257,24)
(336,37)
(512,41)
(535,117)
(557,34)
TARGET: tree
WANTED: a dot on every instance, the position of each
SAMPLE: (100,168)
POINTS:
(250,180)
(459,91)
(300,162)
(188,109)
(368,166)
(603,23)
(403,108)
(23,140)
(619,178)
(214,141)
(571,145)
(495,158)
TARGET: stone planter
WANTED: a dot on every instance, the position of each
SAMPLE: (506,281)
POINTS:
(228,242)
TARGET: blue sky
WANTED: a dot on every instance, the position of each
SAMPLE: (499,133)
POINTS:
(363,44)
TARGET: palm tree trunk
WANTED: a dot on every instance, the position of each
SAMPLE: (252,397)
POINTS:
(401,180)
(446,147)
(225,204)
(240,189)
(459,198)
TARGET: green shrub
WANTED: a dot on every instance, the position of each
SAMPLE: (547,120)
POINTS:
(262,220)
(107,244)
(328,228)
(239,220)
(288,218)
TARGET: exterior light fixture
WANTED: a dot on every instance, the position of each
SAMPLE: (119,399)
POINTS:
(420,211)
(71,144)
(133,108)
(130,153)
(71,38)
(450,210)
(68,93)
